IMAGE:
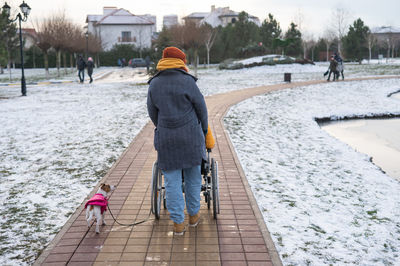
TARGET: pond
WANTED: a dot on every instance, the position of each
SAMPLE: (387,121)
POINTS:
(379,138)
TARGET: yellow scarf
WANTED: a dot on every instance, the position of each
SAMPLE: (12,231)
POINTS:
(168,63)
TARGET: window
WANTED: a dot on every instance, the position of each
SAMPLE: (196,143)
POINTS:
(126,36)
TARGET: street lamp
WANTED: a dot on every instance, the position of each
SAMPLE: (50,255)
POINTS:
(87,44)
(25,11)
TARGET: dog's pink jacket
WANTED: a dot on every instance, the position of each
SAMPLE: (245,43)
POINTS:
(99,200)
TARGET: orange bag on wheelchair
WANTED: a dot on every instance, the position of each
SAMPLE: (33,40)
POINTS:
(210,141)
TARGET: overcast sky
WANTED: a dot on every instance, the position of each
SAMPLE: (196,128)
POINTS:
(315,14)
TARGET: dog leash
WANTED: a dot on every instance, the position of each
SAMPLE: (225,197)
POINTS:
(133,224)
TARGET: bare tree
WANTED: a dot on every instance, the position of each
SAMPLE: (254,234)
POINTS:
(95,48)
(189,37)
(59,33)
(44,39)
(298,19)
(340,24)
(371,41)
(308,43)
(210,35)
(329,37)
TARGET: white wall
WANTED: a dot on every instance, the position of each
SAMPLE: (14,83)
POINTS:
(110,34)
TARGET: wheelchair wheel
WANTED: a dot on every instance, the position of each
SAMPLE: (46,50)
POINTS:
(215,187)
(156,191)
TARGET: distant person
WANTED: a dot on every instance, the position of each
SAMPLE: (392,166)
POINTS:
(340,67)
(81,64)
(119,62)
(147,59)
(333,69)
(123,61)
(90,66)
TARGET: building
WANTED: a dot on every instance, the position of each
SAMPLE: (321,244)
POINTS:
(119,26)
(389,38)
(386,33)
(170,20)
(220,16)
(29,37)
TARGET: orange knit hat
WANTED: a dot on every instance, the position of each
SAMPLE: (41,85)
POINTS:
(174,53)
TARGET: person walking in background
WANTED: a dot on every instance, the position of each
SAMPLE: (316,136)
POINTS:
(333,69)
(81,64)
(147,59)
(340,66)
(178,110)
(90,66)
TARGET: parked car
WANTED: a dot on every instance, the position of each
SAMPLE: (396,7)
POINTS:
(138,62)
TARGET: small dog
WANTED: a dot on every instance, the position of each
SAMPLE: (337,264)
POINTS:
(98,205)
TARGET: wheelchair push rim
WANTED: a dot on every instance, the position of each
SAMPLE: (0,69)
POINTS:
(157,193)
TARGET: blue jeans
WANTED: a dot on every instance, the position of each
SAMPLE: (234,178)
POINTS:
(81,74)
(174,196)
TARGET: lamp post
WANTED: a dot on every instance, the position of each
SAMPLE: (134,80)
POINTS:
(87,44)
(25,11)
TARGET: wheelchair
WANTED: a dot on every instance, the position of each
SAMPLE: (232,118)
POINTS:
(209,186)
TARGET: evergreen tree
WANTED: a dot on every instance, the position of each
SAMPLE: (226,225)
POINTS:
(293,39)
(8,40)
(246,29)
(269,31)
(355,42)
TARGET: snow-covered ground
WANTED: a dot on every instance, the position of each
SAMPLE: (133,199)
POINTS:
(38,74)
(57,143)
(323,202)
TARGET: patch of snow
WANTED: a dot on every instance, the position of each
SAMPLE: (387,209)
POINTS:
(323,202)
(59,141)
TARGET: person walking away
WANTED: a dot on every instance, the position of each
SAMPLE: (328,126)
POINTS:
(340,67)
(178,110)
(332,69)
(81,69)
(90,66)
(147,59)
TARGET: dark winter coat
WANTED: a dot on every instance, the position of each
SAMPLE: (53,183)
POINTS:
(333,65)
(178,110)
(81,64)
(90,66)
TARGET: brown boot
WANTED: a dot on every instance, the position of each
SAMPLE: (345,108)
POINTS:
(179,229)
(194,220)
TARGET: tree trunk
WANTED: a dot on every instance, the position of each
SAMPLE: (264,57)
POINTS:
(370,52)
(388,54)
(46,63)
(58,62)
(64,54)
(312,54)
(327,52)
(98,60)
(9,64)
(71,62)
(208,56)
(34,57)
(195,57)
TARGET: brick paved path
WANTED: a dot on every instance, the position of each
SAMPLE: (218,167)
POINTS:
(238,237)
